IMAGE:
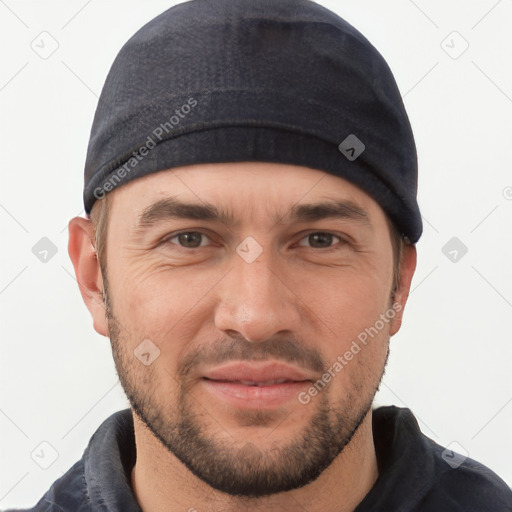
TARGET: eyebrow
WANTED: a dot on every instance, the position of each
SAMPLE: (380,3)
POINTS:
(172,208)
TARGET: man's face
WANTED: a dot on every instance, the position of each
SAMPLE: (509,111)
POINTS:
(245,327)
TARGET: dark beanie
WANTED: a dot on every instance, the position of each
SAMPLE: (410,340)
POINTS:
(284,81)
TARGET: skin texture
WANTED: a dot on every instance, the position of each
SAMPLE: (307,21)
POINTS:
(302,301)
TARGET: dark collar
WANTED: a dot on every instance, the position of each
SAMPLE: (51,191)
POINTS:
(404,456)
(405,460)
(108,462)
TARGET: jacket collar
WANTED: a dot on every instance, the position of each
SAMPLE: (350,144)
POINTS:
(111,455)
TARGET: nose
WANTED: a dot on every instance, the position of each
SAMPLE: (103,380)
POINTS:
(257,300)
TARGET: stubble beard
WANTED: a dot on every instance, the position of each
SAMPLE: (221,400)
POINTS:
(239,468)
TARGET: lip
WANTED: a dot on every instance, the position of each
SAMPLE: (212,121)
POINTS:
(256,385)
(258,372)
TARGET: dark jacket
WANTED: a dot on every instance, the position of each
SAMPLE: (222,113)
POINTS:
(415,473)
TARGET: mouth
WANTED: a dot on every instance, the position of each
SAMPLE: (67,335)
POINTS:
(251,385)
(271,382)
(261,373)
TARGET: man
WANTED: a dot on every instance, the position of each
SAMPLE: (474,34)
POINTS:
(251,184)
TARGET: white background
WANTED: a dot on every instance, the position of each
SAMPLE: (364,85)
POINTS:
(450,363)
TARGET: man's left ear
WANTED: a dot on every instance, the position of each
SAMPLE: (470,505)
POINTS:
(407,268)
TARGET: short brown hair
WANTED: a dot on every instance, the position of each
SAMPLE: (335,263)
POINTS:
(99,219)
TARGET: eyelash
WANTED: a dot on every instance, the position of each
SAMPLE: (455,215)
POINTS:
(341,240)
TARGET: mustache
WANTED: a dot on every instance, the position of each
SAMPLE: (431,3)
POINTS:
(239,349)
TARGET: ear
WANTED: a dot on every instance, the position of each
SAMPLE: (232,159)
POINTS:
(87,270)
(407,268)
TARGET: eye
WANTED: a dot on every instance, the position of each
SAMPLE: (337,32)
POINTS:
(320,240)
(189,239)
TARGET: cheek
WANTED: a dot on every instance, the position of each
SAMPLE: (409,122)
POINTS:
(348,297)
(163,304)
(349,311)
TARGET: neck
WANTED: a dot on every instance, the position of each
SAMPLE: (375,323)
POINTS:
(159,479)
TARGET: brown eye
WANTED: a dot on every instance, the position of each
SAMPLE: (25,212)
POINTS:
(319,240)
(189,239)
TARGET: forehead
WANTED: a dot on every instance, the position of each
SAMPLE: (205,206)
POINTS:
(252,189)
